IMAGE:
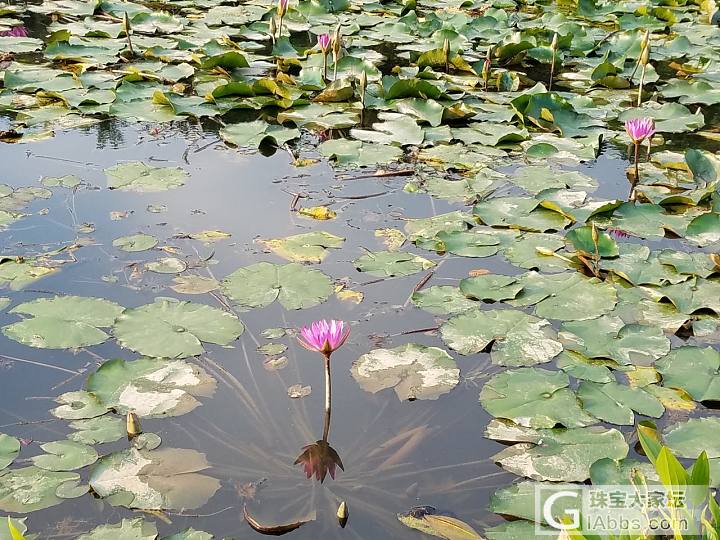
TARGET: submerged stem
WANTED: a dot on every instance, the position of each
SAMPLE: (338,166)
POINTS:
(637,171)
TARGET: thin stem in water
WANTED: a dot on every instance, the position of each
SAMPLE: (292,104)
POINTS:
(328,398)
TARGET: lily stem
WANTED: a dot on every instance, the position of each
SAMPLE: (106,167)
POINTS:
(328,398)
(637,172)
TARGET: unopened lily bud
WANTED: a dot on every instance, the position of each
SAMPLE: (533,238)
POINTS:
(363,86)
(337,41)
(282,7)
(342,514)
(446,47)
(594,234)
(488,63)
(645,55)
(126,24)
(554,44)
(132,423)
(645,39)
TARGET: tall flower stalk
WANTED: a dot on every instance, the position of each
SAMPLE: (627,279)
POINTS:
(336,48)
(323,337)
(324,42)
(553,50)
(639,129)
(487,64)
(282,8)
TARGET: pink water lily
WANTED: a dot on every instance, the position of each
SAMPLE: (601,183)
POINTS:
(324,336)
(640,129)
(282,7)
(324,41)
(15,31)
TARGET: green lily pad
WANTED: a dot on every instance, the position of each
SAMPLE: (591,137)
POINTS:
(135,242)
(175,329)
(9,450)
(533,251)
(78,405)
(413,371)
(194,284)
(567,296)
(582,239)
(392,263)
(99,430)
(516,338)
(164,479)
(306,247)
(255,133)
(523,213)
(358,153)
(189,534)
(688,439)
(533,397)
(127,529)
(442,300)
(63,322)
(150,387)
(535,179)
(615,402)
(167,265)
(490,288)
(137,176)
(695,370)
(65,456)
(472,243)
(293,285)
(558,455)
(584,368)
(609,337)
(31,489)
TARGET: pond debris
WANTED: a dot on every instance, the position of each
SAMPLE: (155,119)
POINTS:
(274,530)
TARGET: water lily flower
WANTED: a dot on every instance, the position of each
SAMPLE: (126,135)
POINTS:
(324,41)
(15,31)
(640,129)
(282,7)
(318,460)
(324,336)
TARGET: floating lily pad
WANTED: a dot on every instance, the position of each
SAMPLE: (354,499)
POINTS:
(137,176)
(167,265)
(174,329)
(413,371)
(127,529)
(306,247)
(516,338)
(31,489)
(63,322)
(490,288)
(135,242)
(688,439)
(78,405)
(164,479)
(150,387)
(695,370)
(65,456)
(615,402)
(442,300)
(258,132)
(293,285)
(523,213)
(9,450)
(558,455)
(609,337)
(567,296)
(392,263)
(97,430)
(194,284)
(535,398)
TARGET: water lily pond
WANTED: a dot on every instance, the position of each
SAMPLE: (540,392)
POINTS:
(188,183)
